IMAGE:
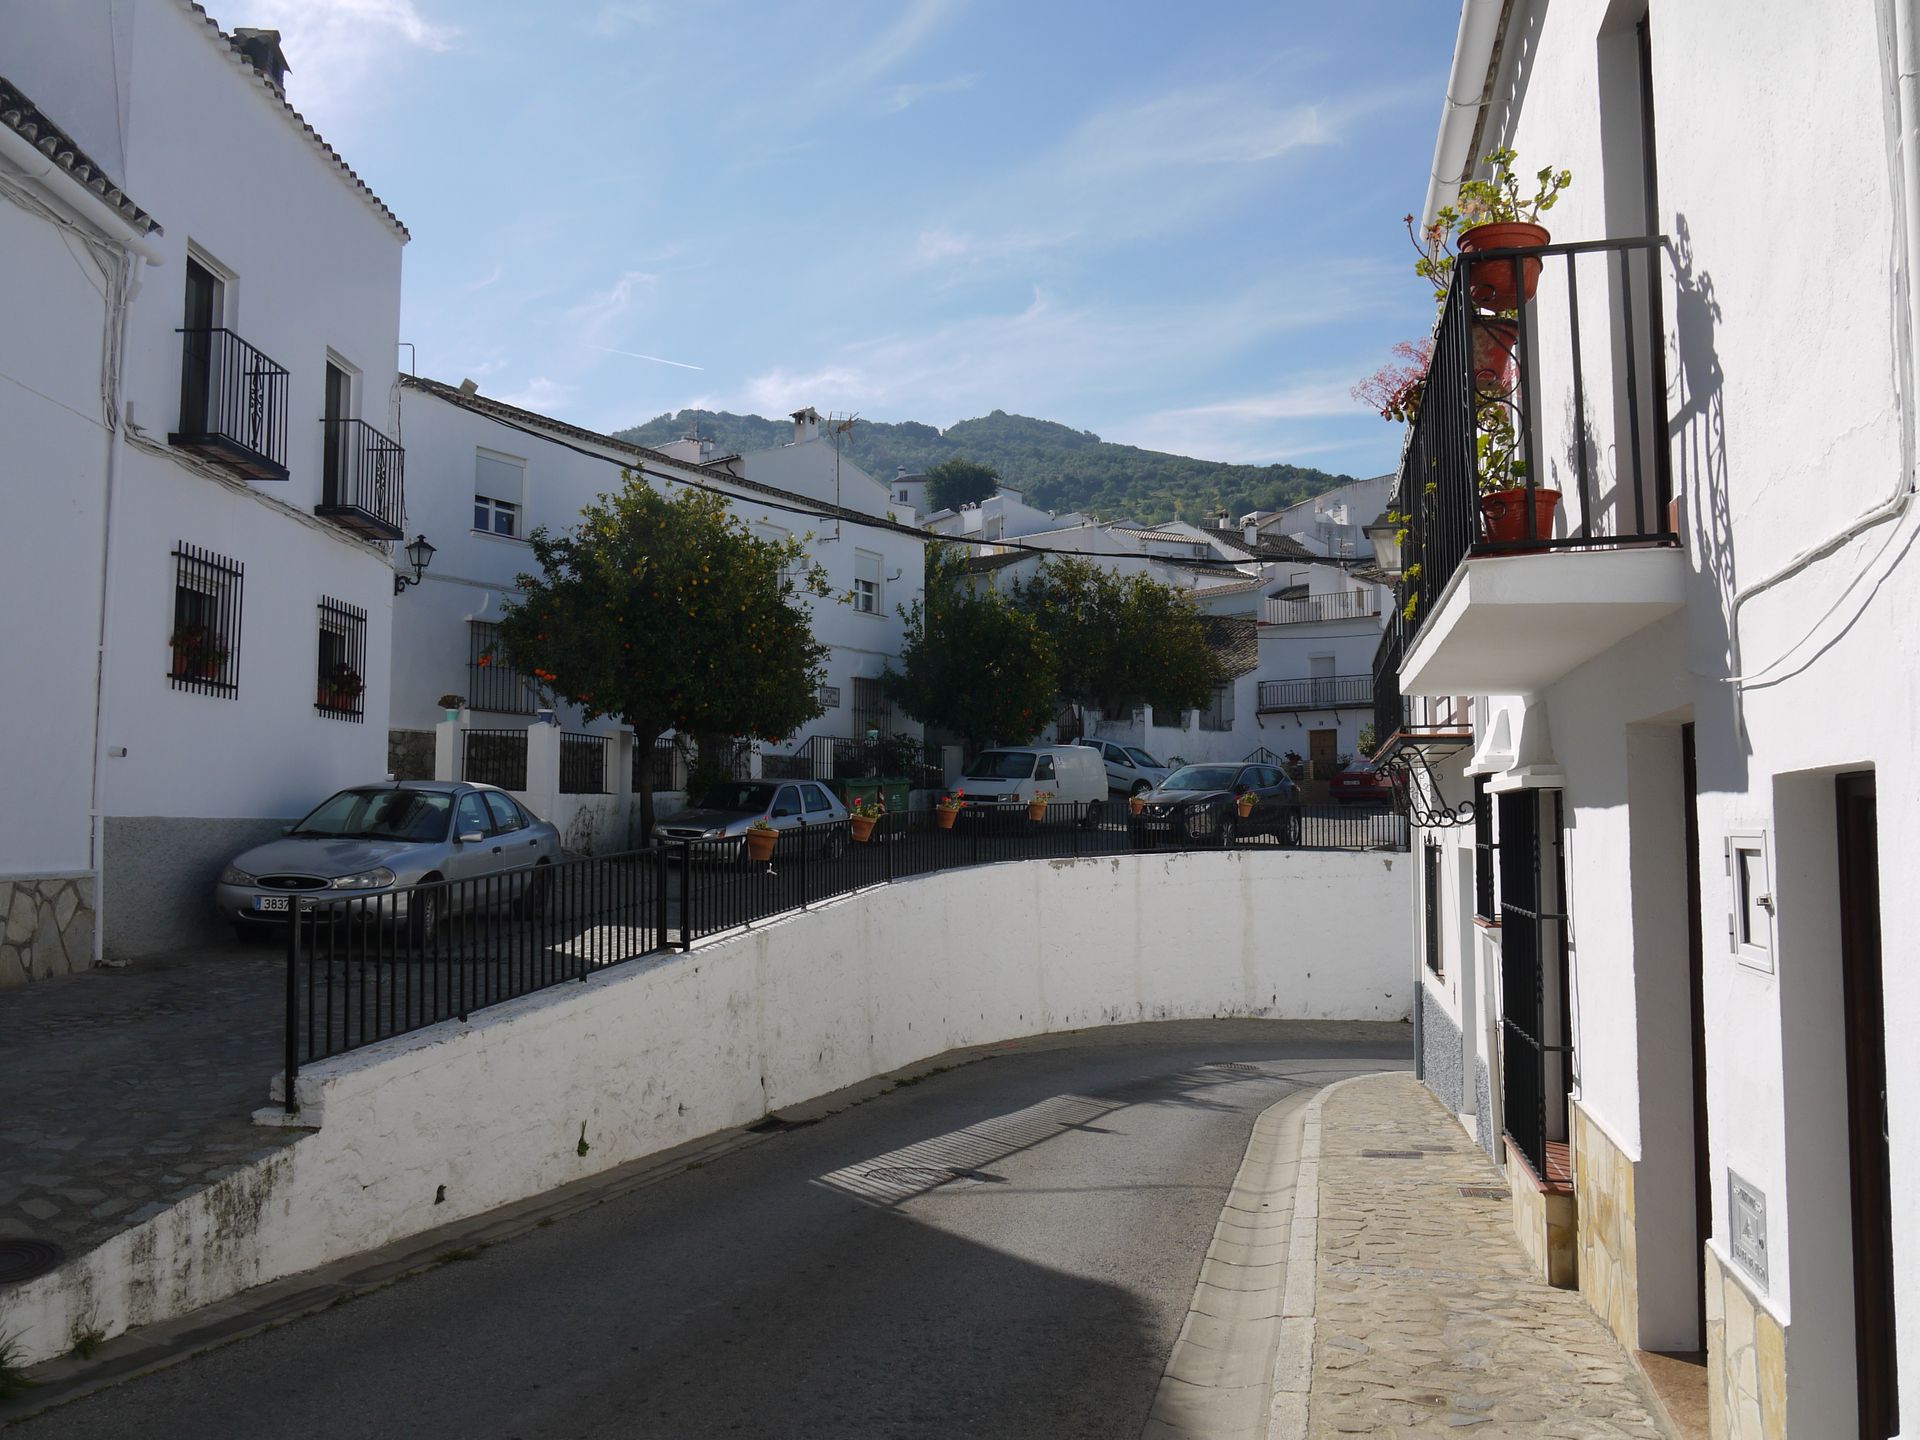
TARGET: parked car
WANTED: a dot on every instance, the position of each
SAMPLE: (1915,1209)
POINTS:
(1198,804)
(379,839)
(728,810)
(1130,770)
(1009,777)
(1360,781)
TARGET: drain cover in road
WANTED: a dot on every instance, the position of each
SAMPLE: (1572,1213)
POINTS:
(1392,1155)
(24,1259)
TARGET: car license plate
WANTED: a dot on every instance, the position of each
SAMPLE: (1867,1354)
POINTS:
(270,902)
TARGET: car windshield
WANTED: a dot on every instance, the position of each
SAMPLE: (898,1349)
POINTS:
(1141,758)
(416,815)
(1001,765)
(1201,777)
(742,795)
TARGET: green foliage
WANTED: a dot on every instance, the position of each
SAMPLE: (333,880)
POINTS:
(667,612)
(1054,466)
(1497,450)
(971,663)
(1497,199)
(1121,640)
(1366,742)
(959,481)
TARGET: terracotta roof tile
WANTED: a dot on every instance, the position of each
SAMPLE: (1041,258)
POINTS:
(30,123)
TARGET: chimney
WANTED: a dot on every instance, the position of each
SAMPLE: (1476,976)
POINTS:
(806,425)
(1250,533)
(469,387)
(263,52)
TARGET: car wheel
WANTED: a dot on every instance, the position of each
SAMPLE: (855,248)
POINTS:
(1140,787)
(423,914)
(1225,836)
(1096,812)
(1289,831)
(533,900)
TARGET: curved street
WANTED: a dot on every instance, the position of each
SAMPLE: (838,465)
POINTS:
(1007,1248)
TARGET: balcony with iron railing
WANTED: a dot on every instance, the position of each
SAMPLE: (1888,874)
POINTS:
(1346,605)
(1536,478)
(1323,692)
(233,405)
(363,489)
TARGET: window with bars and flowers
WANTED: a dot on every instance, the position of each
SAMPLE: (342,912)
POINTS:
(341,678)
(204,643)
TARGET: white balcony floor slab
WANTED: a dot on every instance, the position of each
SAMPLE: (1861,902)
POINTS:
(1514,624)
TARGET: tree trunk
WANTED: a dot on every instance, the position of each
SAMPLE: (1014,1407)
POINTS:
(645,737)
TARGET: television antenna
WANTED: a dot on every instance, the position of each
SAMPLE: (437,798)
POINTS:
(839,424)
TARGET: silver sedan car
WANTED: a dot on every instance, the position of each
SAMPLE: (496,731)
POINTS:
(804,811)
(375,839)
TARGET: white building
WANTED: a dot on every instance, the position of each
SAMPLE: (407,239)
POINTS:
(487,474)
(1003,515)
(1331,523)
(1664,748)
(197,568)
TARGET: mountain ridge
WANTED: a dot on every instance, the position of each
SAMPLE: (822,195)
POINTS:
(1054,465)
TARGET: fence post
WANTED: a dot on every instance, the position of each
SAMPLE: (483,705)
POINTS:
(885,828)
(686,894)
(658,853)
(448,759)
(289,1099)
(805,846)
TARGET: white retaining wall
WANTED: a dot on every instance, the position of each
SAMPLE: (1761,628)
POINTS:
(655,1053)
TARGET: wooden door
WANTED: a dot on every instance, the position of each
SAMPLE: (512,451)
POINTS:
(1322,746)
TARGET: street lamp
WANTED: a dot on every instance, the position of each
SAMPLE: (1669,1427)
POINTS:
(419,555)
(1384,534)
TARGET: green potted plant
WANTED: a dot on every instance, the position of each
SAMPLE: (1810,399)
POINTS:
(948,808)
(1505,496)
(1494,336)
(340,686)
(451,705)
(1245,801)
(1037,806)
(197,653)
(1495,215)
(862,815)
(760,840)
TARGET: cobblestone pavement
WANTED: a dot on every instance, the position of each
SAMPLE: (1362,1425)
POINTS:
(1429,1320)
(124,1091)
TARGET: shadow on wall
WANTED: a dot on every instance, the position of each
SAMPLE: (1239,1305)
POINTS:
(1696,415)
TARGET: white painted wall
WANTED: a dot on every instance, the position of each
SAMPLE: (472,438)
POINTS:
(655,1053)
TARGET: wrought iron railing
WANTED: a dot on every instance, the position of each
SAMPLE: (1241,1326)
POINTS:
(364,489)
(670,765)
(583,763)
(493,685)
(837,757)
(233,404)
(365,968)
(1523,382)
(1389,705)
(495,757)
(1328,692)
(1347,605)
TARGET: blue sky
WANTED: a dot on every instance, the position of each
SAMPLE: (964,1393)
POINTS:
(1177,225)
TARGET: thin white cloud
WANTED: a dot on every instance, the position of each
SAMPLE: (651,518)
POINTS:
(598,319)
(904,97)
(1288,422)
(636,355)
(339,50)
(492,277)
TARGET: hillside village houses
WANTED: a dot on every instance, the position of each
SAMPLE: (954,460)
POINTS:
(1661,750)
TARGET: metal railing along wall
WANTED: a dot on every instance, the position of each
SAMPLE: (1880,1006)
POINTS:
(838,757)
(364,968)
(1486,380)
(669,766)
(364,482)
(1389,705)
(583,763)
(495,757)
(1347,605)
(1326,693)
(233,404)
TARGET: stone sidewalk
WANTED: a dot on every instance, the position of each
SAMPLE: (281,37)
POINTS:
(1427,1317)
(124,1091)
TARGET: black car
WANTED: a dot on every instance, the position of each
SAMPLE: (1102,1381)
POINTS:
(1199,804)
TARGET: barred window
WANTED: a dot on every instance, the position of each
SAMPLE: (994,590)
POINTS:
(1485,907)
(341,680)
(204,646)
(493,685)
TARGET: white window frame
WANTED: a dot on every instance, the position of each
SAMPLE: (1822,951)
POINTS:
(868,591)
(495,504)
(1750,904)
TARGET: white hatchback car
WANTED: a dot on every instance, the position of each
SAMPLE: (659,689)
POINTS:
(1130,770)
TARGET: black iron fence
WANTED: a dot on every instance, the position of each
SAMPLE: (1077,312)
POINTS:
(1389,705)
(364,968)
(364,480)
(233,404)
(1330,692)
(669,766)
(837,757)
(1510,426)
(496,757)
(583,763)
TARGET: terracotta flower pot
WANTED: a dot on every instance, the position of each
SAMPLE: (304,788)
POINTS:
(944,818)
(760,844)
(1245,807)
(1505,514)
(1036,810)
(1493,342)
(861,827)
(1490,282)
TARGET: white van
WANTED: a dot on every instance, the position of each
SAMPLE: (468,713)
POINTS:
(1014,774)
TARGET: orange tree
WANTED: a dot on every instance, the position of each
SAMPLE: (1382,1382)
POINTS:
(972,663)
(667,612)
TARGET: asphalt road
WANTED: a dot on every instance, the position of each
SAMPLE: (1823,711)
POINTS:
(1005,1249)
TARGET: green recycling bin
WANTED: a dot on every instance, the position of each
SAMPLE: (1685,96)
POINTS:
(893,793)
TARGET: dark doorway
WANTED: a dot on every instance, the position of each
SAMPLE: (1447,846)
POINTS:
(1867,1119)
(1696,1027)
(339,402)
(201,317)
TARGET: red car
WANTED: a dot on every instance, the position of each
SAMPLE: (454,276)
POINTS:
(1360,781)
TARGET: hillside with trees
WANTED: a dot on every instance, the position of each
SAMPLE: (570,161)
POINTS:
(1057,467)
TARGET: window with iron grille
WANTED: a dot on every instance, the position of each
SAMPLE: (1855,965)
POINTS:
(870,708)
(1485,907)
(204,644)
(493,685)
(341,682)
(1430,896)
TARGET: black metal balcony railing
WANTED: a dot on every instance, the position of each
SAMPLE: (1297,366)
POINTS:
(1389,705)
(1331,692)
(583,763)
(363,490)
(233,404)
(1496,378)
(1348,605)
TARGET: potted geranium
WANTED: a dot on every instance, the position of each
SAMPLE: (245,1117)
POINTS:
(340,686)
(863,815)
(1494,215)
(1037,806)
(1505,497)
(1245,801)
(197,654)
(760,840)
(1493,336)
(452,705)
(947,808)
